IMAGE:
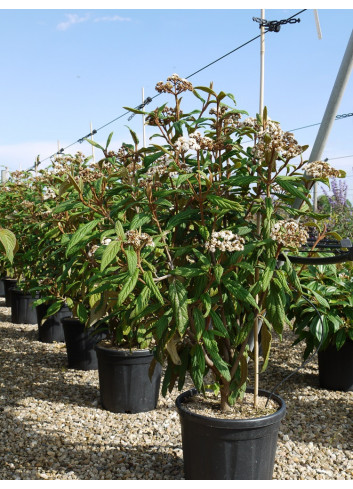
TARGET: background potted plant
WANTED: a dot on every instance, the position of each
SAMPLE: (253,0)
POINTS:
(330,289)
(224,217)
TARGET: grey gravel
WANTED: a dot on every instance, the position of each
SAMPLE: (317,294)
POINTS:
(53,426)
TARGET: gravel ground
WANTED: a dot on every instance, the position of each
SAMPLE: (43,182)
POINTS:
(53,426)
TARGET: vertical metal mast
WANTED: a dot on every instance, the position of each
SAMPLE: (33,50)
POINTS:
(331,109)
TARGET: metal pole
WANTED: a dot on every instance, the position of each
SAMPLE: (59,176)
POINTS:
(331,111)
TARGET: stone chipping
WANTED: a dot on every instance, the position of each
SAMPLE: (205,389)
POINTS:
(53,426)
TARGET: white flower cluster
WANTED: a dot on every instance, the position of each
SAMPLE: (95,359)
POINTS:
(343,276)
(225,241)
(106,241)
(184,144)
(289,233)
(161,167)
(138,240)
(203,141)
(281,142)
(49,194)
(321,169)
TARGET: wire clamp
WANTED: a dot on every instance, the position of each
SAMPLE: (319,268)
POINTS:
(274,25)
(148,100)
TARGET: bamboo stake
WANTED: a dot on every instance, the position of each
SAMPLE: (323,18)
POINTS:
(93,159)
(143,120)
(258,218)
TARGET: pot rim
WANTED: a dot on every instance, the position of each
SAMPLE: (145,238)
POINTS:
(124,353)
(229,422)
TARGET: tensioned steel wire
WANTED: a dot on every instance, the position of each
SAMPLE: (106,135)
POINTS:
(150,99)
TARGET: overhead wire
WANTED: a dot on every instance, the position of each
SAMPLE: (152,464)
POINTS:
(149,99)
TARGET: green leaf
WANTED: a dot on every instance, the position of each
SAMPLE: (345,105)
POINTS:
(8,240)
(109,253)
(131,260)
(128,287)
(108,140)
(207,90)
(183,216)
(139,220)
(147,276)
(224,203)
(241,293)
(218,272)
(294,191)
(83,231)
(93,143)
(199,322)
(133,135)
(82,313)
(119,230)
(178,299)
(135,111)
(266,338)
(219,363)
(340,339)
(218,323)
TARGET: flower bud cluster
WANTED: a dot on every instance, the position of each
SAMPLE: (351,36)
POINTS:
(174,85)
(92,250)
(167,116)
(225,241)
(138,240)
(321,169)
(289,233)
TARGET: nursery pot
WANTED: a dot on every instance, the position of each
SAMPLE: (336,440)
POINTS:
(22,309)
(336,367)
(51,329)
(80,344)
(125,386)
(229,449)
(2,288)
(8,284)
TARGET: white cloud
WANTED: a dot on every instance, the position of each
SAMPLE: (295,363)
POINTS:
(72,19)
(114,18)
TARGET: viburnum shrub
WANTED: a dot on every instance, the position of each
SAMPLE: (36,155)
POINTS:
(20,204)
(221,208)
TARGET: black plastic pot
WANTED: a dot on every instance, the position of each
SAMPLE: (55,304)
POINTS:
(125,386)
(22,309)
(2,287)
(229,449)
(51,329)
(336,367)
(80,344)
(9,283)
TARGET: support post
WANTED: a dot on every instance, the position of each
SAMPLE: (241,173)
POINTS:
(331,110)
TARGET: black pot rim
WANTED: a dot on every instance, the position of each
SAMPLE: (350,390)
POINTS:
(233,423)
(124,353)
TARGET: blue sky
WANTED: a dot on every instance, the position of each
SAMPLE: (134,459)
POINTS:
(65,67)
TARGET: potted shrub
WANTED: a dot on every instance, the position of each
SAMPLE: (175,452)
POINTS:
(330,289)
(224,214)
(105,255)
